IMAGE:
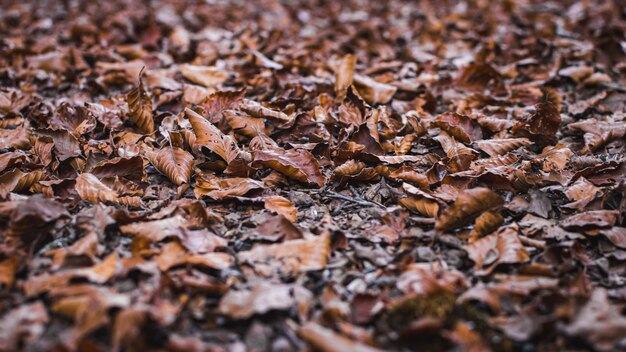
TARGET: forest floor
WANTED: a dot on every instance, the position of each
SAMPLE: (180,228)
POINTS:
(312,175)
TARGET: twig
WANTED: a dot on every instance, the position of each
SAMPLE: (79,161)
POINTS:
(363,202)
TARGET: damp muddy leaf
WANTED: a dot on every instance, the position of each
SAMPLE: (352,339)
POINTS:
(175,163)
(297,164)
(292,256)
(468,205)
(209,136)
(503,247)
(140,108)
(283,206)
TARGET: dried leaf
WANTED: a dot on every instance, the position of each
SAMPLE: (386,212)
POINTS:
(175,163)
(282,206)
(468,205)
(297,164)
(140,108)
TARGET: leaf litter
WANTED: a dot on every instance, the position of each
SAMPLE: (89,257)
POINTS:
(333,176)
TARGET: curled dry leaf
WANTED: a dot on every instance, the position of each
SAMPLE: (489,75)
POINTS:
(461,127)
(541,126)
(257,110)
(90,188)
(225,188)
(372,91)
(140,108)
(468,205)
(175,163)
(460,157)
(209,136)
(503,247)
(344,75)
(495,147)
(282,206)
(297,164)
(292,256)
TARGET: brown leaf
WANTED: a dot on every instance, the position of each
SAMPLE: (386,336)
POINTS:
(495,147)
(297,164)
(343,75)
(206,76)
(372,91)
(591,219)
(468,205)
(504,247)
(541,126)
(90,188)
(460,157)
(225,188)
(173,254)
(326,340)
(140,108)
(260,299)
(291,256)
(209,136)
(175,163)
(22,325)
(220,101)
(459,126)
(479,76)
(282,206)
(599,322)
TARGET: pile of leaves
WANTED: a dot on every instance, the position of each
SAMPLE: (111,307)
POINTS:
(325,175)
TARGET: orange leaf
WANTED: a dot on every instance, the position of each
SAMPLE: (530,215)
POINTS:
(282,206)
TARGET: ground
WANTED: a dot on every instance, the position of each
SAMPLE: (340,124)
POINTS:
(312,175)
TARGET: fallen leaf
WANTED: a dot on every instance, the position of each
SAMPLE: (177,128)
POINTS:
(175,163)
(468,205)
